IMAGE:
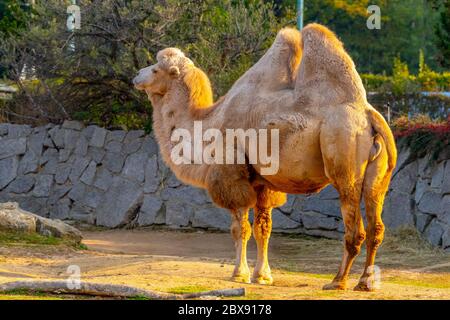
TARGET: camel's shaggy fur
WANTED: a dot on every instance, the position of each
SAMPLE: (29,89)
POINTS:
(306,86)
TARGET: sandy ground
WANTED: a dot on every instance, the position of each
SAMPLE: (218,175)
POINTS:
(174,261)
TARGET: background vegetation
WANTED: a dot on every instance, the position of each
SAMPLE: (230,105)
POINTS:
(86,75)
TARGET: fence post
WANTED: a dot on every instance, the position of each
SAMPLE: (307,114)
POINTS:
(300,14)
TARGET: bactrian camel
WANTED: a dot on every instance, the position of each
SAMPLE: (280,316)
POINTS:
(307,86)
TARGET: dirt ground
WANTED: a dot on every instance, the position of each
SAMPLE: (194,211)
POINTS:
(180,262)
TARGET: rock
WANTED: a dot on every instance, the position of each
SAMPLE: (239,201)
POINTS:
(4,129)
(134,166)
(36,142)
(117,135)
(185,194)
(178,214)
(430,203)
(29,163)
(212,217)
(114,161)
(133,135)
(103,178)
(444,211)
(64,155)
(403,155)
(421,186)
(282,222)
(13,218)
(8,171)
(57,136)
(98,137)
(92,198)
(74,125)
(82,146)
(329,193)
(18,131)
(438,176)
(21,184)
(71,138)
(51,166)
(328,207)
(422,221)
(78,167)
(446,179)
(132,146)
(89,174)
(96,154)
(35,205)
(446,238)
(77,192)
(397,210)
(114,146)
(57,192)
(62,173)
(172,181)
(12,147)
(405,180)
(61,210)
(152,179)
(149,210)
(120,203)
(289,205)
(313,220)
(149,146)
(434,232)
(43,185)
(82,214)
(50,153)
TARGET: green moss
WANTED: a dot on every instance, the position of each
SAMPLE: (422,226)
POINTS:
(7,237)
(188,289)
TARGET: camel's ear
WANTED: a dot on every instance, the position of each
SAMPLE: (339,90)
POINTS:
(174,71)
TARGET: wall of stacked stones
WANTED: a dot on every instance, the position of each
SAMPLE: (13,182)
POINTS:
(117,178)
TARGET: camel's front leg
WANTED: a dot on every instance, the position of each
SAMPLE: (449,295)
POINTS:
(262,228)
(241,232)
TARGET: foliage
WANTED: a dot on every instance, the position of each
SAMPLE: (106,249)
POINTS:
(402,82)
(422,135)
(93,82)
(442,31)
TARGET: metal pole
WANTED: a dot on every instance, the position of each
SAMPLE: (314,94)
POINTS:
(300,14)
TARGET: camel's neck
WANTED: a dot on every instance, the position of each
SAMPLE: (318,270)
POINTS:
(173,112)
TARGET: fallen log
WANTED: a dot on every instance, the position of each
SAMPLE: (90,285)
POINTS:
(111,290)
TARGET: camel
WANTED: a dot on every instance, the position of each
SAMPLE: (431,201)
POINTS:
(307,87)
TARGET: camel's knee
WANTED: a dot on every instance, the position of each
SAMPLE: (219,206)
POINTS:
(262,226)
(353,242)
(376,235)
(241,230)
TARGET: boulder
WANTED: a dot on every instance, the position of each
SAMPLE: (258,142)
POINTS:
(149,210)
(120,203)
(178,214)
(43,185)
(314,220)
(103,178)
(152,177)
(12,147)
(21,184)
(8,171)
(212,218)
(434,232)
(12,218)
(430,203)
(74,125)
(328,207)
(89,174)
(98,137)
(282,222)
(397,210)
(134,167)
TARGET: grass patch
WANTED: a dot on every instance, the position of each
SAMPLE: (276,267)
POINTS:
(22,294)
(188,289)
(31,239)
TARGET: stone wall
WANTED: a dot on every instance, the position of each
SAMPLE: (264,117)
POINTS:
(117,178)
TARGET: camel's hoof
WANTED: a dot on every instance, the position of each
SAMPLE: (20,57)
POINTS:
(335,286)
(362,286)
(268,280)
(241,278)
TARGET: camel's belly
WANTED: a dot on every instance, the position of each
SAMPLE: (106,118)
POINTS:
(301,168)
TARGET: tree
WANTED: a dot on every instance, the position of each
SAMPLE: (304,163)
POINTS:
(443,35)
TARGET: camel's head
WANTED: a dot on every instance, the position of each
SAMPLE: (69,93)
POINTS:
(156,79)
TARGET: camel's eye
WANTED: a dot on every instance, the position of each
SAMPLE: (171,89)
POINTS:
(155,71)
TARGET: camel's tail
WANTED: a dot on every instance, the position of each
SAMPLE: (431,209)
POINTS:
(382,128)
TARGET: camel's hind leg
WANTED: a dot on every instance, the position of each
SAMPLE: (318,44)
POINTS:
(262,228)
(345,159)
(241,232)
(354,236)
(376,184)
